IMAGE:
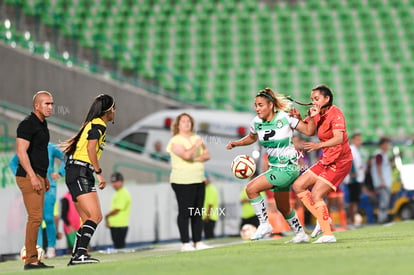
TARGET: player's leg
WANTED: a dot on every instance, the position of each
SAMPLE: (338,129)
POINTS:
(90,211)
(319,191)
(301,188)
(282,179)
(328,180)
(283,204)
(253,190)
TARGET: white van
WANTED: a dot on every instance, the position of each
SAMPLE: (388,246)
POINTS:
(216,128)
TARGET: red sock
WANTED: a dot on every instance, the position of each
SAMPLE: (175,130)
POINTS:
(306,198)
(323,217)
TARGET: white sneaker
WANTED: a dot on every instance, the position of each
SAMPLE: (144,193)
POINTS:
(317,230)
(301,237)
(201,246)
(187,247)
(326,239)
(263,230)
(50,252)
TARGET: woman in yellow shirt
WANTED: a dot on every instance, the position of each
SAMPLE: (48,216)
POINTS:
(188,154)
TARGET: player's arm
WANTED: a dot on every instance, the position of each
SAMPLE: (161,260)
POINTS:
(307,126)
(338,138)
(93,157)
(247,140)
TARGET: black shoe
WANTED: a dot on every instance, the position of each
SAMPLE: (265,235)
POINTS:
(37,266)
(82,259)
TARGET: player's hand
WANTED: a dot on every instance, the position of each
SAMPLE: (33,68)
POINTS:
(231,145)
(314,110)
(312,146)
(102,182)
(295,113)
(55,176)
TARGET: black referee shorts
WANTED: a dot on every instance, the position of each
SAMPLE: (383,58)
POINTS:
(79,180)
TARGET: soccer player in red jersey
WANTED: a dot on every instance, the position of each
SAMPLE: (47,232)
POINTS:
(336,162)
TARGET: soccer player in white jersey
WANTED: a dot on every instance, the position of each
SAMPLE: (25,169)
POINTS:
(273,127)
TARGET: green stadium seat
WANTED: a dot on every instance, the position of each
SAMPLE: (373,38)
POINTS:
(356,47)
(32,7)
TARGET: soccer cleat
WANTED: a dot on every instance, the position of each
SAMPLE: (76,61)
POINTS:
(187,247)
(317,230)
(301,237)
(82,259)
(326,239)
(201,246)
(263,230)
(37,266)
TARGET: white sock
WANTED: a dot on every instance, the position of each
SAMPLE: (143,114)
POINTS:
(260,209)
(294,222)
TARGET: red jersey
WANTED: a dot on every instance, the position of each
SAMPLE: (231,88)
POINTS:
(333,119)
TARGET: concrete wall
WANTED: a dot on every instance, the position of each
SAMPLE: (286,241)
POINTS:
(22,74)
(153,215)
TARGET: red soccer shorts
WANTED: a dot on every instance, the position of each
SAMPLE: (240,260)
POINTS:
(332,174)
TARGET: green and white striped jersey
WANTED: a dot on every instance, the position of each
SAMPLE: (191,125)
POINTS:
(276,137)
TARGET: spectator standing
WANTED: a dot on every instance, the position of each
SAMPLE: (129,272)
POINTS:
(117,220)
(210,209)
(381,172)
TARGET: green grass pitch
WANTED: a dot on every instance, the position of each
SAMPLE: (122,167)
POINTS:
(381,249)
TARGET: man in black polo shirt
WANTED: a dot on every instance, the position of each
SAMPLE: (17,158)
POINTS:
(31,149)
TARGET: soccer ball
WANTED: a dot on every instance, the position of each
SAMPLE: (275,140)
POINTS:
(247,231)
(40,253)
(243,166)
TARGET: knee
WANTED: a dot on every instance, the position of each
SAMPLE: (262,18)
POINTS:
(251,192)
(296,187)
(316,196)
(98,219)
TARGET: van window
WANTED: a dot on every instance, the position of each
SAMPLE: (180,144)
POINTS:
(135,141)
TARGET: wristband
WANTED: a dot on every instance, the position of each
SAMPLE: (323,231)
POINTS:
(99,171)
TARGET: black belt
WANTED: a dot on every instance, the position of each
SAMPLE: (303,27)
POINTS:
(80,163)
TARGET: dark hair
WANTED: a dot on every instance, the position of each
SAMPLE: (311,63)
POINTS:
(384,140)
(271,97)
(325,91)
(102,104)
